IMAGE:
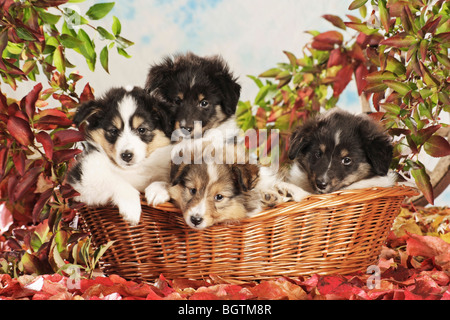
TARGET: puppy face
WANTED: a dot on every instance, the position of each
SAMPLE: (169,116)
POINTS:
(211,193)
(200,89)
(128,126)
(338,149)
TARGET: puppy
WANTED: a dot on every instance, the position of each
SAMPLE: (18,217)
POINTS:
(339,150)
(216,190)
(127,147)
(202,90)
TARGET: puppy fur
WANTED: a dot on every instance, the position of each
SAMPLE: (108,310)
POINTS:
(339,150)
(127,147)
(202,90)
(214,192)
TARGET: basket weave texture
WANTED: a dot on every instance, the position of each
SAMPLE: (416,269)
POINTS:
(340,232)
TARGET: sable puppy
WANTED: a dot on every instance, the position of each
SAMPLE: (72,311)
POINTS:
(339,150)
(127,147)
(202,90)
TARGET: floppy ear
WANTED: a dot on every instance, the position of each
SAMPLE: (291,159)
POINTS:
(90,111)
(178,172)
(229,87)
(377,146)
(245,176)
(299,141)
(156,76)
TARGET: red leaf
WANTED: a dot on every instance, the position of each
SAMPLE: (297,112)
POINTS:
(20,130)
(335,20)
(19,162)
(3,158)
(30,100)
(87,93)
(342,78)
(330,37)
(26,182)
(431,25)
(360,74)
(399,41)
(47,143)
(324,46)
(423,183)
(65,100)
(64,155)
(63,137)
(426,246)
(60,121)
(43,198)
(336,58)
(437,146)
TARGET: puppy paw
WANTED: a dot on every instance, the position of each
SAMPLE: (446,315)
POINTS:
(130,210)
(270,198)
(157,193)
(290,192)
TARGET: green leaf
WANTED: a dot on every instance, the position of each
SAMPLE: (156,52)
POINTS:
(123,43)
(271,73)
(122,52)
(116,26)
(356,4)
(24,34)
(104,58)
(384,14)
(423,183)
(88,49)
(49,18)
(399,41)
(399,87)
(99,10)
(105,34)
(58,59)
(361,27)
(70,42)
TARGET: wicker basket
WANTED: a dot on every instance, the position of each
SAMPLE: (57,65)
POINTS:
(341,232)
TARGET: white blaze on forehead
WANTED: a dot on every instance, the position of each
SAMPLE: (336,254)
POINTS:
(212,173)
(127,108)
(337,137)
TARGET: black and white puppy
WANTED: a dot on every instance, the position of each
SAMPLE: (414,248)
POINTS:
(339,150)
(127,147)
(203,91)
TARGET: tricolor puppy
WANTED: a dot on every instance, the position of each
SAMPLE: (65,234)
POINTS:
(202,89)
(339,150)
(127,147)
(213,191)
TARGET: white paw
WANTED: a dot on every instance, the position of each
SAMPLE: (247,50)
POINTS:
(290,191)
(130,211)
(157,193)
(129,203)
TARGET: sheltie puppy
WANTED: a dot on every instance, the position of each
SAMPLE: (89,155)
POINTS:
(216,190)
(339,150)
(127,147)
(202,90)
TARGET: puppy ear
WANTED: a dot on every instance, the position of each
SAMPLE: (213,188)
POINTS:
(299,141)
(377,146)
(245,176)
(178,172)
(156,77)
(90,111)
(230,89)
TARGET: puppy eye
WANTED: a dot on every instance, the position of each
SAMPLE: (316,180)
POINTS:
(204,103)
(218,197)
(346,161)
(318,154)
(142,130)
(113,131)
(178,100)
(192,191)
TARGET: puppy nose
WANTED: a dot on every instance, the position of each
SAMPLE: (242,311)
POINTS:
(126,156)
(196,220)
(321,184)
